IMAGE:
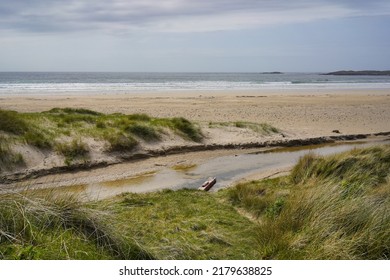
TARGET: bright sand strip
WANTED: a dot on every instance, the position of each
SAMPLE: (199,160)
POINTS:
(305,113)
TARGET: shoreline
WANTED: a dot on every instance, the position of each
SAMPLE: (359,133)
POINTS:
(196,92)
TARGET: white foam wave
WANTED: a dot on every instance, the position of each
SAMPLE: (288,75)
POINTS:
(47,88)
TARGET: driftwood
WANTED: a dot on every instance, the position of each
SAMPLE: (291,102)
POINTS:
(206,186)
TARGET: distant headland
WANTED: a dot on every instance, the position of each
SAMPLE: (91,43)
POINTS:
(273,73)
(360,73)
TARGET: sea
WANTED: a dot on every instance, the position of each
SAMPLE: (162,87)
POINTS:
(120,82)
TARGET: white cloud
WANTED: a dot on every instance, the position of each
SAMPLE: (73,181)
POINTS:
(246,19)
(118,16)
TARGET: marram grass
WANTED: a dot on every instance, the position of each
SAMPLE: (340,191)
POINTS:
(333,207)
(336,207)
(65,130)
(53,227)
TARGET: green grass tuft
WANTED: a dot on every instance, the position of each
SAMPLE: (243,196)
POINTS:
(11,122)
(38,139)
(143,131)
(259,197)
(139,117)
(360,166)
(182,127)
(184,224)
(261,128)
(187,128)
(101,124)
(80,111)
(336,207)
(73,151)
(9,159)
(55,227)
(121,143)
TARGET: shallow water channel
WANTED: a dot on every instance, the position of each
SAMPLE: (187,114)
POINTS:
(227,169)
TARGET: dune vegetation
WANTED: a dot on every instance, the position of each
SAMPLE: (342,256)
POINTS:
(39,129)
(334,207)
(73,138)
(65,130)
(260,128)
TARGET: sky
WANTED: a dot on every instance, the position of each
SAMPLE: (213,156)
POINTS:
(194,35)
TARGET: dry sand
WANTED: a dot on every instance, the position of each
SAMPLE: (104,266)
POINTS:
(308,114)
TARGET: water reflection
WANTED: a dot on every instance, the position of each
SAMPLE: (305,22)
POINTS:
(227,169)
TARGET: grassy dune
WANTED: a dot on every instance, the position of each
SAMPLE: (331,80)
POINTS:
(38,129)
(261,128)
(167,225)
(328,208)
(32,227)
(64,130)
(81,136)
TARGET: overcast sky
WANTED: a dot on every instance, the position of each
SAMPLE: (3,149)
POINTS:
(194,35)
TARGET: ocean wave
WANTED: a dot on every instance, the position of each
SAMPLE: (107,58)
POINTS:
(43,88)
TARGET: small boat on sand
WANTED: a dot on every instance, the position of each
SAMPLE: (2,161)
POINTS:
(208,184)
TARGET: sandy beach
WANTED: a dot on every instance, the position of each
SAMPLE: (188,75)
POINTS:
(304,113)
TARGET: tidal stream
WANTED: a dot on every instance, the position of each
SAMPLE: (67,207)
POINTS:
(227,169)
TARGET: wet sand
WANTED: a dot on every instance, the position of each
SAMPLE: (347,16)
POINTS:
(188,170)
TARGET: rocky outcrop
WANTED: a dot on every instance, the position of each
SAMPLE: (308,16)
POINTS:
(360,73)
(272,73)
